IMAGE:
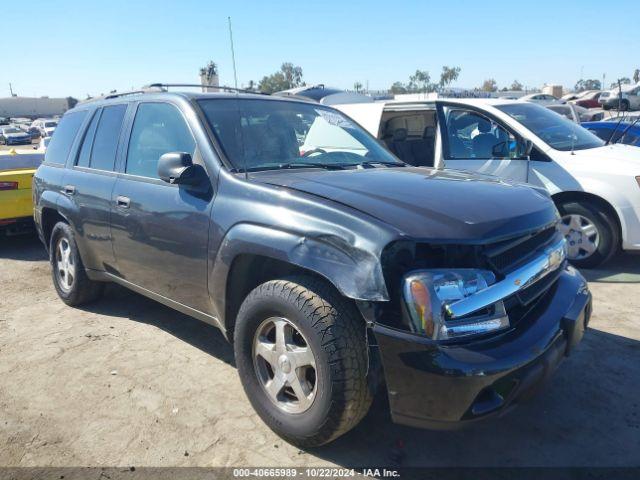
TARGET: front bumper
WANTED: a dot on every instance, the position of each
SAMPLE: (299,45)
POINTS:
(434,385)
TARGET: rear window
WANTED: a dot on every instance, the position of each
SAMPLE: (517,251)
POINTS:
(63,137)
(105,142)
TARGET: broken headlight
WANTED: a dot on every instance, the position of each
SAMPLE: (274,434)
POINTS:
(428,294)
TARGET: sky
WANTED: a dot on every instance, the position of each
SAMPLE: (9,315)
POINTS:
(80,47)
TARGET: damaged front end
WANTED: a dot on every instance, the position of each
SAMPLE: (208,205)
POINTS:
(472,329)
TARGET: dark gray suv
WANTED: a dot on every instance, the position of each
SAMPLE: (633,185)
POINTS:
(334,268)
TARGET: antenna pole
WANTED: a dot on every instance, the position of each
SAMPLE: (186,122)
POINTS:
(233,54)
(10,89)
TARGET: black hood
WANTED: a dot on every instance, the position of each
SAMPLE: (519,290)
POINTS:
(423,203)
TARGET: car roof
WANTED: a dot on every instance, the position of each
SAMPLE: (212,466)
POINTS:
(155,95)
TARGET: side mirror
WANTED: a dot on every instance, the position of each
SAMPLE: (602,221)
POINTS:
(178,167)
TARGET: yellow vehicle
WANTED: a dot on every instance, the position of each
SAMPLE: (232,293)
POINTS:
(16,206)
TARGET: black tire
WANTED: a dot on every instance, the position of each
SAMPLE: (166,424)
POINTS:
(82,290)
(624,105)
(336,334)
(609,236)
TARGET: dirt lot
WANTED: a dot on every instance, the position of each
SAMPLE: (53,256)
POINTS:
(130,382)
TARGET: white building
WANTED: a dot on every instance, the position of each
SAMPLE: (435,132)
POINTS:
(32,107)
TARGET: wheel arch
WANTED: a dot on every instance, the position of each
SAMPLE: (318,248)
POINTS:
(578,196)
(50,217)
(252,254)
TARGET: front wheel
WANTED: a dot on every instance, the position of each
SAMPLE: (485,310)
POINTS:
(301,353)
(624,106)
(592,237)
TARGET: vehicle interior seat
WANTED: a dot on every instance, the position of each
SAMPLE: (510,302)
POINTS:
(401,147)
(424,149)
(484,142)
(271,142)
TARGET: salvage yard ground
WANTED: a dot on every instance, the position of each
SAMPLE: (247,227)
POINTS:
(128,382)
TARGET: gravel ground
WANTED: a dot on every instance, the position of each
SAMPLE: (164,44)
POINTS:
(127,381)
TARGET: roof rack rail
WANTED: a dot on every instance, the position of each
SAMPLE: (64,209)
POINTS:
(145,89)
(198,85)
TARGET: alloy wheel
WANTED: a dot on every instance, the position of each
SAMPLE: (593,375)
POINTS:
(285,365)
(581,234)
(64,265)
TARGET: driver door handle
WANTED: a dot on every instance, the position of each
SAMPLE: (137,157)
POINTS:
(69,190)
(122,202)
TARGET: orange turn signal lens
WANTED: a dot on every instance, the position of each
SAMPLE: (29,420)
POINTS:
(422,302)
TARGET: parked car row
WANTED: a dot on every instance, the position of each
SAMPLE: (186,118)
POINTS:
(333,266)
(625,98)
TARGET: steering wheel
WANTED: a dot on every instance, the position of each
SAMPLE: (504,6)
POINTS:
(315,150)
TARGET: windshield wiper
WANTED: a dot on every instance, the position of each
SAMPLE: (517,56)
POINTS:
(292,165)
(373,163)
(624,132)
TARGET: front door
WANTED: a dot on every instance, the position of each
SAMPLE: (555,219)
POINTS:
(475,142)
(160,231)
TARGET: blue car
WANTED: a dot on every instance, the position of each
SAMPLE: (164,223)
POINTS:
(623,132)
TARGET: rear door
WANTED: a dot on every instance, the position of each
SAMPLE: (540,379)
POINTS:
(89,183)
(473,140)
(160,231)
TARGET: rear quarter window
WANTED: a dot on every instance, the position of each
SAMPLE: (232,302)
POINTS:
(63,137)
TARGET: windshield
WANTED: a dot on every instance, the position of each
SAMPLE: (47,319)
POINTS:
(555,130)
(50,124)
(267,134)
(11,130)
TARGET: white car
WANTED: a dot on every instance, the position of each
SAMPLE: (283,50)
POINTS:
(45,127)
(625,98)
(596,187)
(541,98)
(576,113)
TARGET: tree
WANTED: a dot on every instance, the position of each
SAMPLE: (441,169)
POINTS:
(289,76)
(419,81)
(636,75)
(489,85)
(516,86)
(623,81)
(449,75)
(71,102)
(589,84)
(398,88)
(357,86)
(209,71)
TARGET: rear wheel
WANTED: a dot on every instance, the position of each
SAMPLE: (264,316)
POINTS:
(592,237)
(69,277)
(624,105)
(301,354)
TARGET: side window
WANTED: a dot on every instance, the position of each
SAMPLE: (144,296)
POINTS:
(105,142)
(87,142)
(63,137)
(158,128)
(472,135)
